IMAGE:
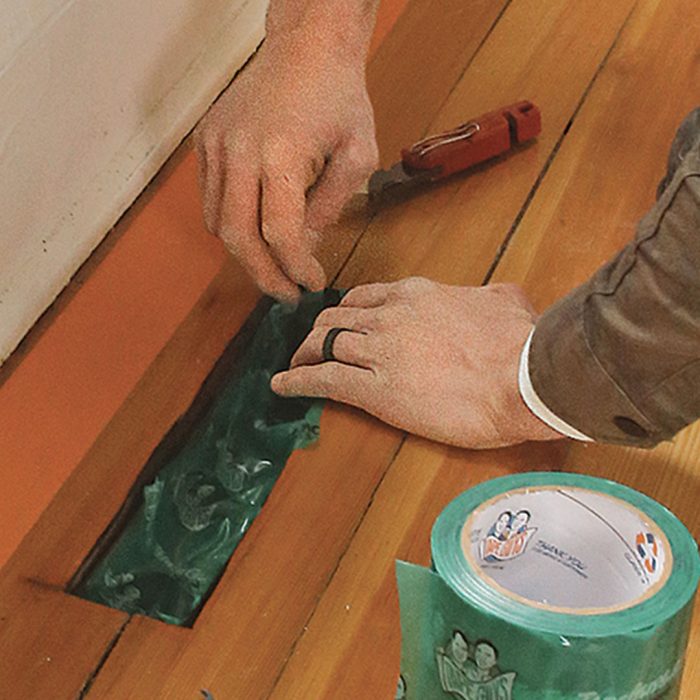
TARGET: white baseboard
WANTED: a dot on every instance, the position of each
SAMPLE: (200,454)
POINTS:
(95,97)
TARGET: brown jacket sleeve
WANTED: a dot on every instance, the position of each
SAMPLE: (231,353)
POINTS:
(619,357)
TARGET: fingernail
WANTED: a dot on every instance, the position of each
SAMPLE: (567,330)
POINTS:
(316,286)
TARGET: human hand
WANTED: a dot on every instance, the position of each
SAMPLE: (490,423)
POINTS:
(436,360)
(282,151)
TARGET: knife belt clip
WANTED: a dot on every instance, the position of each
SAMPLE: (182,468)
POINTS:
(462,133)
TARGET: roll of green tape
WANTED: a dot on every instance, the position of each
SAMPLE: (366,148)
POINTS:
(549,586)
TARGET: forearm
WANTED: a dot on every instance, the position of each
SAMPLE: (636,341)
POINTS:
(344,25)
(619,358)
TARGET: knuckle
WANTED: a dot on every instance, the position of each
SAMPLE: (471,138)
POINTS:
(363,155)
(414,285)
(384,318)
(272,235)
(325,318)
(240,145)
(276,154)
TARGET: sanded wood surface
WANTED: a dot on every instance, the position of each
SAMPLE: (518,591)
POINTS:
(307,606)
(546,52)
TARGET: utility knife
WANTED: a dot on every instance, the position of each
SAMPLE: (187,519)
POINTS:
(437,157)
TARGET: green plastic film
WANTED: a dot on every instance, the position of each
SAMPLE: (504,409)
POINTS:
(192,516)
(549,586)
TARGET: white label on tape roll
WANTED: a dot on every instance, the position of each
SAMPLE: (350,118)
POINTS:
(567,549)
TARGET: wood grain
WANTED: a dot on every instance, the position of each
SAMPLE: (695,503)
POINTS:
(602,181)
(417,66)
(50,642)
(548,53)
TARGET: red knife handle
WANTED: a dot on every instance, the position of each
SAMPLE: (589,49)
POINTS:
(474,142)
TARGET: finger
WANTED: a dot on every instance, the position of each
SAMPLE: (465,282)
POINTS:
(210,182)
(283,212)
(349,347)
(355,319)
(344,173)
(330,380)
(366,296)
(239,232)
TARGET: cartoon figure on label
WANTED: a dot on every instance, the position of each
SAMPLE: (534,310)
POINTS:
(508,536)
(501,528)
(400,689)
(520,521)
(474,676)
(485,657)
(452,661)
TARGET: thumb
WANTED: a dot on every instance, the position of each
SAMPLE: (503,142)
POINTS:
(345,172)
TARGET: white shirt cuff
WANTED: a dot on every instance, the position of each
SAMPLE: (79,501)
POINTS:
(535,403)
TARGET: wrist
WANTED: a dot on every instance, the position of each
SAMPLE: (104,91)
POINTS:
(333,27)
(521,422)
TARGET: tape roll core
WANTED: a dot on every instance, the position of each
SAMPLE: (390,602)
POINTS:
(567,549)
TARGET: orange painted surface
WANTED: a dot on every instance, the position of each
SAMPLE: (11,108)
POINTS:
(66,389)
(387,14)
(71,382)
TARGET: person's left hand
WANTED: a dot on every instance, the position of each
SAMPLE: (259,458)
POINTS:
(435,360)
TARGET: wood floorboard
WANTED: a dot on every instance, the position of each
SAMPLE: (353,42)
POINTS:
(50,642)
(469,217)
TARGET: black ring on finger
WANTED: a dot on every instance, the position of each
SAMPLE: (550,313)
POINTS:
(328,341)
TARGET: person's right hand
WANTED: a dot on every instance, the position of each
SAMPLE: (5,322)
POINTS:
(281,152)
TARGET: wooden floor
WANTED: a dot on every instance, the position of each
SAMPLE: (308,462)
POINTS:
(307,607)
